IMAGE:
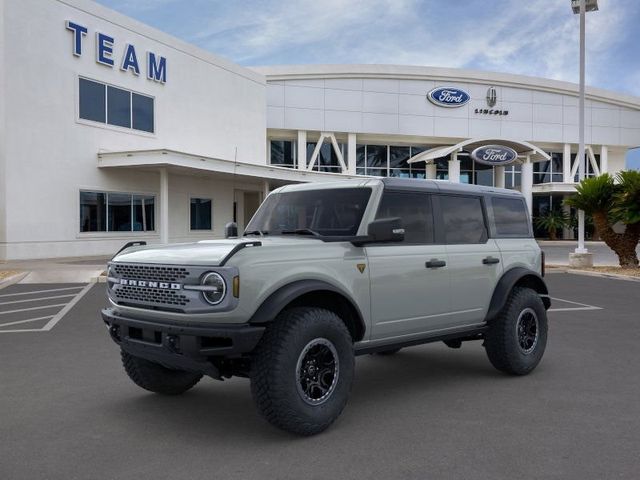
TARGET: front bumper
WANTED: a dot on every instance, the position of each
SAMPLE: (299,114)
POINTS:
(180,346)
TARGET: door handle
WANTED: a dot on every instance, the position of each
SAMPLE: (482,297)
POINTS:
(435,263)
(490,260)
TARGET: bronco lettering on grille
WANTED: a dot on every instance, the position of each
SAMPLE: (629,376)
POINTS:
(150,284)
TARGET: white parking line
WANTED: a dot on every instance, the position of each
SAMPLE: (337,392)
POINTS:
(33,308)
(581,306)
(41,291)
(51,323)
(25,321)
(38,299)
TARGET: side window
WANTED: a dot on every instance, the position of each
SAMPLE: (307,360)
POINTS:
(510,217)
(415,211)
(463,219)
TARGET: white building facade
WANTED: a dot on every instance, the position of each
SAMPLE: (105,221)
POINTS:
(111,131)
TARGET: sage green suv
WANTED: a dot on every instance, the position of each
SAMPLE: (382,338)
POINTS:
(325,272)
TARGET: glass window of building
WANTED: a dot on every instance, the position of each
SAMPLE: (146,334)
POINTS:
(327,160)
(389,161)
(512,176)
(116,212)
(463,219)
(283,153)
(111,105)
(201,213)
(92,97)
(414,209)
(549,170)
(510,217)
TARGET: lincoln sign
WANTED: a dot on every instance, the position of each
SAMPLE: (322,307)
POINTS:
(494,155)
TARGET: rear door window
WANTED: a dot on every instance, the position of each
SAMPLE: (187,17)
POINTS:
(463,219)
(510,217)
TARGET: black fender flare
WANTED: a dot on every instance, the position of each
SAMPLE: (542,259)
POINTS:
(286,294)
(511,278)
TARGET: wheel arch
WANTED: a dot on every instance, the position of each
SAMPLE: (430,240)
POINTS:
(516,277)
(313,293)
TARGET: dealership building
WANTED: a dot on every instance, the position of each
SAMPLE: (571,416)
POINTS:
(112,131)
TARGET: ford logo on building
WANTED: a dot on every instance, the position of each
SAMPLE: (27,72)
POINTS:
(448,97)
(494,155)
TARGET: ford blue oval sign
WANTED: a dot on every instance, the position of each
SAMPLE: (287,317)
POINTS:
(494,155)
(448,97)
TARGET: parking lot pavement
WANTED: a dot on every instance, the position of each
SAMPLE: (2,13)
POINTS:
(37,307)
(68,410)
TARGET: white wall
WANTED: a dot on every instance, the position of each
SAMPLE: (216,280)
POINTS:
(208,106)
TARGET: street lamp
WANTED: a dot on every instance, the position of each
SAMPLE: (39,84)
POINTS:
(580,7)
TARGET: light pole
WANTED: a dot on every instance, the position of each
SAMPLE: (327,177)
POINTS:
(580,7)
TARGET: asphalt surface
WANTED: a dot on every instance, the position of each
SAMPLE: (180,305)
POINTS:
(68,411)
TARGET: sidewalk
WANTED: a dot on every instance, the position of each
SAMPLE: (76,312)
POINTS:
(58,270)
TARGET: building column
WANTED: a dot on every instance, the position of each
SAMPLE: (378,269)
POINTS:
(431,171)
(566,164)
(498,176)
(527,182)
(351,153)
(604,159)
(454,168)
(302,150)
(266,188)
(164,206)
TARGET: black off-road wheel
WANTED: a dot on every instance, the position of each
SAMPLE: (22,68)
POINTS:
(156,378)
(391,351)
(517,338)
(302,370)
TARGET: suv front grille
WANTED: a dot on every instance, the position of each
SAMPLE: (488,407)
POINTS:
(149,272)
(130,294)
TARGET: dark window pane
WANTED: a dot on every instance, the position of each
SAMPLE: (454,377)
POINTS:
(414,209)
(330,212)
(463,219)
(200,214)
(377,156)
(377,172)
(118,107)
(510,216)
(283,153)
(360,159)
(143,213)
(360,171)
(556,162)
(92,101)
(93,212)
(119,212)
(142,113)
(398,157)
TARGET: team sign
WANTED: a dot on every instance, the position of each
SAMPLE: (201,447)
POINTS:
(156,64)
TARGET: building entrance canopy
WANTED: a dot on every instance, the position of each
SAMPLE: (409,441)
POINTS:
(523,149)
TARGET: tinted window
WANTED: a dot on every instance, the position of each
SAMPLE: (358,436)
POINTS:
(414,209)
(118,107)
(142,112)
(463,219)
(143,213)
(200,214)
(92,101)
(93,212)
(119,212)
(329,212)
(510,217)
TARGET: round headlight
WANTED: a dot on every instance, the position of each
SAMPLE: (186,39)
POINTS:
(216,288)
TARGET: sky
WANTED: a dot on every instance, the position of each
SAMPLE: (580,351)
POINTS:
(529,37)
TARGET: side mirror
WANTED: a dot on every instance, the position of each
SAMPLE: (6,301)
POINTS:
(231,230)
(386,230)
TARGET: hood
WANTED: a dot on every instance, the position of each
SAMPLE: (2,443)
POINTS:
(206,252)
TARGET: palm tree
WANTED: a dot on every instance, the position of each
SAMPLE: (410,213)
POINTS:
(552,221)
(609,202)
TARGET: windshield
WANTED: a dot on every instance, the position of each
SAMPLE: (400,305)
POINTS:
(325,212)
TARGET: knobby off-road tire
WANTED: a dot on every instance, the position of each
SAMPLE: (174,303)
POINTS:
(299,343)
(516,339)
(156,378)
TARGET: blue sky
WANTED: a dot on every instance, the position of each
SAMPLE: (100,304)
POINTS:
(530,37)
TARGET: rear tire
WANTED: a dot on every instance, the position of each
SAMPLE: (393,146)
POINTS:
(156,378)
(302,370)
(517,338)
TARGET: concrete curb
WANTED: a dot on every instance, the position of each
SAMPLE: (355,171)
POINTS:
(614,276)
(12,279)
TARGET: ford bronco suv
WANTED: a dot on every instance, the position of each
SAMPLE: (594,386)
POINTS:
(325,272)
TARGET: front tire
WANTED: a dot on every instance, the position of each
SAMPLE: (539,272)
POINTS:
(156,378)
(517,338)
(302,370)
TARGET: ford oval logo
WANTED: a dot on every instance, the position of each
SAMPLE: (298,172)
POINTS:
(448,97)
(494,155)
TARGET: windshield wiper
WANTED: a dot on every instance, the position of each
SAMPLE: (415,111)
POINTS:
(301,231)
(256,232)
